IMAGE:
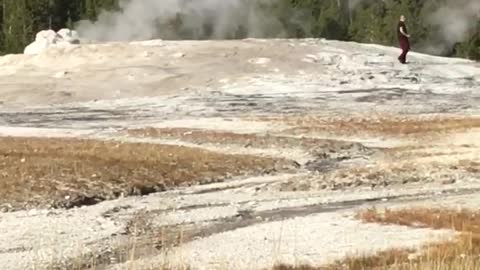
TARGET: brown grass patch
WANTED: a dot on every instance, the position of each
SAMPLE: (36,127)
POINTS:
(65,172)
(226,137)
(462,253)
(380,261)
(463,220)
(384,258)
(379,125)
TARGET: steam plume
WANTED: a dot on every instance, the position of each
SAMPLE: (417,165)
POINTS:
(223,19)
(455,22)
(183,19)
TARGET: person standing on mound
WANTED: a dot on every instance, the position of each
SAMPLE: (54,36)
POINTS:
(403,37)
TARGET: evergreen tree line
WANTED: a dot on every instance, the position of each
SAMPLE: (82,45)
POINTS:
(369,21)
(20,20)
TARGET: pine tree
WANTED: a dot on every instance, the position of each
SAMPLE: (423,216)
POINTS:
(367,23)
(17,25)
(371,21)
(2,11)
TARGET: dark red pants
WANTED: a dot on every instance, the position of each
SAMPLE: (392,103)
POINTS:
(405,46)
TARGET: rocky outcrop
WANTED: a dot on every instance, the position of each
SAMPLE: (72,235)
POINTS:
(48,38)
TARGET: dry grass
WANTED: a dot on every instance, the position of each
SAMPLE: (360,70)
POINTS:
(65,172)
(227,137)
(303,125)
(289,267)
(130,252)
(377,262)
(379,125)
(462,253)
(463,220)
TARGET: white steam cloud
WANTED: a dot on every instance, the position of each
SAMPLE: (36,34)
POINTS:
(183,19)
(455,23)
(223,19)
